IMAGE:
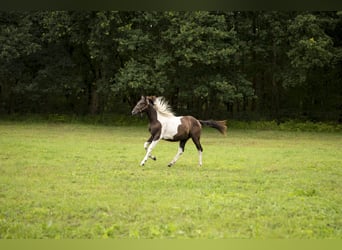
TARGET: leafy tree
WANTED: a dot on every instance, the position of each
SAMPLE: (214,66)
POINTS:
(16,44)
(183,55)
(88,36)
(252,65)
(311,55)
(310,49)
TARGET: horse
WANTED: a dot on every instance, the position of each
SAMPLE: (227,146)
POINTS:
(164,125)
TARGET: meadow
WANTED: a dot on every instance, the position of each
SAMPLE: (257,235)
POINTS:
(67,181)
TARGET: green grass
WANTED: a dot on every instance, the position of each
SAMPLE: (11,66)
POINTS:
(84,181)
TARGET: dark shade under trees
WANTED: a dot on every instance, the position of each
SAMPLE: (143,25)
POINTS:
(243,65)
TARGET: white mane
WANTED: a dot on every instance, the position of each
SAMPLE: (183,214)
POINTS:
(161,106)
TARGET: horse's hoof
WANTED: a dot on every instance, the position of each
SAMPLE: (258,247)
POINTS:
(170,165)
(154,158)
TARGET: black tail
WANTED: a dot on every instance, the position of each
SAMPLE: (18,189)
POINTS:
(219,125)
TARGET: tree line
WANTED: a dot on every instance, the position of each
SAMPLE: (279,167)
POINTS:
(244,65)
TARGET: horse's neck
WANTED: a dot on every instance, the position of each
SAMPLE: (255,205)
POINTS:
(151,114)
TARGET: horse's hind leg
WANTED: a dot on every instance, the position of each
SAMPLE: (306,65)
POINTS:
(197,142)
(179,153)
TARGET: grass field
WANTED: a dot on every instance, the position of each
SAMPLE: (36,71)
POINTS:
(84,181)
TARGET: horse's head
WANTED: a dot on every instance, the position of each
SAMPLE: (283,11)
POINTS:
(143,104)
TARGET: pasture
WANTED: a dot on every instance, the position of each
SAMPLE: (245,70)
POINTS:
(84,181)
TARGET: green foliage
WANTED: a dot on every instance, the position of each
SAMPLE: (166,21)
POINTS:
(269,64)
(200,37)
(125,120)
(290,125)
(101,119)
(164,50)
(311,47)
(138,78)
(16,37)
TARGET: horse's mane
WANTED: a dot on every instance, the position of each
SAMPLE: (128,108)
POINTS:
(162,106)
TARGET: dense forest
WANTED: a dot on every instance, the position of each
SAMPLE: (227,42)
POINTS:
(217,64)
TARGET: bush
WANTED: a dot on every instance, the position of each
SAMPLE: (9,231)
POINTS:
(103,119)
(291,125)
(128,120)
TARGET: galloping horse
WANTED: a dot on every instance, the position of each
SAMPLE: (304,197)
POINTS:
(165,125)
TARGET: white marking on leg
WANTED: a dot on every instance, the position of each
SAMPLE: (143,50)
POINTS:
(146,146)
(179,153)
(148,153)
(200,157)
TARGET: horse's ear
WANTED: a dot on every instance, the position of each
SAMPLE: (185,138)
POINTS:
(150,99)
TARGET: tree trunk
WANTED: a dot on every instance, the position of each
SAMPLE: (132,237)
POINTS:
(93,94)
(275,90)
(93,99)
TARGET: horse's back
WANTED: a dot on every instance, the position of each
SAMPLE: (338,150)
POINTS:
(180,128)
(191,126)
(195,124)
(191,121)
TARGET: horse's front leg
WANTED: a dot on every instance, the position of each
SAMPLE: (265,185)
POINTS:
(146,144)
(149,151)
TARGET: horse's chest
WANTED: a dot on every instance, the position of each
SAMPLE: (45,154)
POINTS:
(169,127)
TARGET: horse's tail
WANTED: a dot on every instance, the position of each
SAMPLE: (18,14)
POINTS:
(219,125)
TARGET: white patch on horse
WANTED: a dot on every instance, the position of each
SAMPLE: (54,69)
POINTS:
(168,120)
(169,126)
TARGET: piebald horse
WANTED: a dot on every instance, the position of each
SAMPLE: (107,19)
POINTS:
(164,125)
